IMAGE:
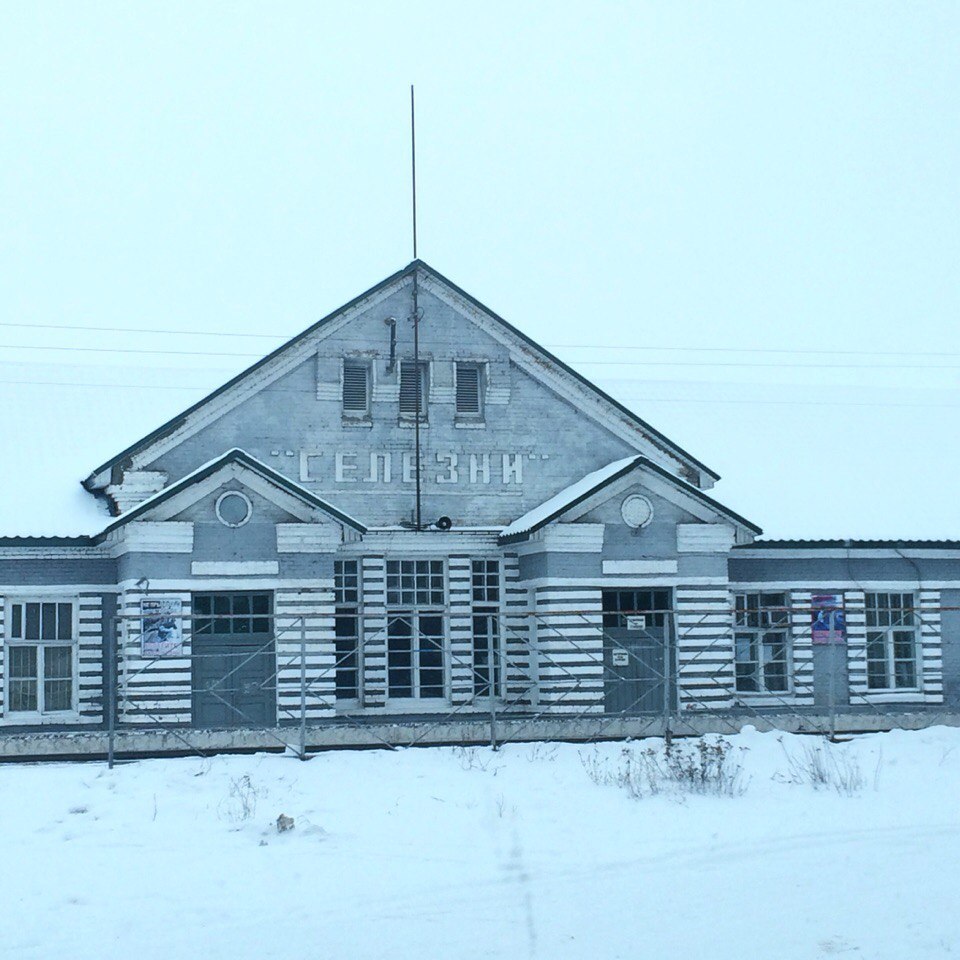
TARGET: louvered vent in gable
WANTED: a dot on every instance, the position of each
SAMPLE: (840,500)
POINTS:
(356,388)
(413,387)
(469,384)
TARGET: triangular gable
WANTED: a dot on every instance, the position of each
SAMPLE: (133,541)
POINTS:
(247,469)
(534,359)
(564,503)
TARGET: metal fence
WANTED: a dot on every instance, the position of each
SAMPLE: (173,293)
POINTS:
(402,678)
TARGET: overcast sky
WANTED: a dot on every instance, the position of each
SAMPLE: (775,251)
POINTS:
(727,178)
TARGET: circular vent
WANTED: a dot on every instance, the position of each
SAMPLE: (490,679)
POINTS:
(636,511)
(233,508)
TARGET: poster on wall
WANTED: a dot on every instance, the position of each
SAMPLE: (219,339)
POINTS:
(161,629)
(828,621)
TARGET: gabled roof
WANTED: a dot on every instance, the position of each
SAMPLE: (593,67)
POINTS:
(416,265)
(244,459)
(592,483)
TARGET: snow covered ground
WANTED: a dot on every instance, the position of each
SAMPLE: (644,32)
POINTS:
(455,853)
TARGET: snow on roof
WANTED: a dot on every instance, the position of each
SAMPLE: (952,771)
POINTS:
(60,419)
(235,455)
(567,497)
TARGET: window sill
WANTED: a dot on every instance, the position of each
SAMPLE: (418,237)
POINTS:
(894,693)
(765,699)
(470,424)
(39,719)
(411,705)
(360,423)
(410,423)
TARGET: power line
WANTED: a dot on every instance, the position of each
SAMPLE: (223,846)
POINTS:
(591,363)
(622,397)
(651,348)
(178,333)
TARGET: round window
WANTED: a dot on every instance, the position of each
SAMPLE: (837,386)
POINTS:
(233,508)
(636,511)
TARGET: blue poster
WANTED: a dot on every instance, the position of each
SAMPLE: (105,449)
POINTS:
(826,613)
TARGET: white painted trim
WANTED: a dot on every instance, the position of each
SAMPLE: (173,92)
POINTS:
(756,552)
(98,552)
(232,568)
(601,582)
(563,538)
(639,566)
(233,493)
(705,537)
(308,537)
(826,586)
(150,536)
(225,583)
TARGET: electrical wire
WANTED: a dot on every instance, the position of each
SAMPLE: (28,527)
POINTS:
(823,352)
(590,363)
(621,397)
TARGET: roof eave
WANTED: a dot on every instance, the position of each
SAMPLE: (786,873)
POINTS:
(641,461)
(91,482)
(235,455)
(673,447)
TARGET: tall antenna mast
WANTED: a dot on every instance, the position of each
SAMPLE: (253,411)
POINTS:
(413,167)
(418,518)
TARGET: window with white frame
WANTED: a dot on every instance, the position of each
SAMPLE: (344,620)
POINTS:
(346,595)
(413,389)
(487,648)
(469,390)
(356,388)
(40,654)
(762,643)
(892,641)
(415,629)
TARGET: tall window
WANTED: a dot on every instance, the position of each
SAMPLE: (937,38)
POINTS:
(40,654)
(469,390)
(356,388)
(762,642)
(892,641)
(415,629)
(413,385)
(346,591)
(487,651)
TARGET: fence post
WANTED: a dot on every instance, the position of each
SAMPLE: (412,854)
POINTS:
(110,666)
(494,666)
(303,687)
(667,678)
(833,676)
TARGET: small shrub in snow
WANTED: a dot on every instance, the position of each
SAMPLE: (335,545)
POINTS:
(284,823)
(542,751)
(240,804)
(708,767)
(824,767)
(473,758)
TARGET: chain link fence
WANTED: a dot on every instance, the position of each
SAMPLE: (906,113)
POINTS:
(258,679)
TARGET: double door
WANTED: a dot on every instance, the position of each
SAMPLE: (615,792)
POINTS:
(637,657)
(234,660)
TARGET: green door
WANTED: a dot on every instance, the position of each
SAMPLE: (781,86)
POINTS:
(234,660)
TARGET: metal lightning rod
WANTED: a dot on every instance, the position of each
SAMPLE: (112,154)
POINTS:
(418,518)
(413,168)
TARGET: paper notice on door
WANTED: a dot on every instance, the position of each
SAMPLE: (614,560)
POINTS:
(621,658)
(637,622)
